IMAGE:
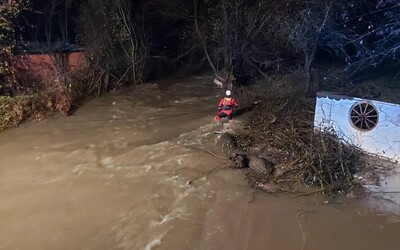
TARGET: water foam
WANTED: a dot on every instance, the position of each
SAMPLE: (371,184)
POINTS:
(156,242)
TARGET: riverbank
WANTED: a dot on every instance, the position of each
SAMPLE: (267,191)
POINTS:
(283,152)
(40,101)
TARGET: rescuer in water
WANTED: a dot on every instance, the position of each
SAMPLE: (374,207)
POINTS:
(226,106)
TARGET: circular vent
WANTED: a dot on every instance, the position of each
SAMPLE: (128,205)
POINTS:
(364,116)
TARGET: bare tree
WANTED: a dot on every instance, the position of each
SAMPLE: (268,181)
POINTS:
(55,13)
(233,36)
(307,30)
(372,31)
(202,38)
(118,49)
(99,43)
(133,40)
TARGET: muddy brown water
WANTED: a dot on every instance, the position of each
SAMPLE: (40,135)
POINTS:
(115,176)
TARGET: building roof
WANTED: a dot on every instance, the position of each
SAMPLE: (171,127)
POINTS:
(44,48)
(337,96)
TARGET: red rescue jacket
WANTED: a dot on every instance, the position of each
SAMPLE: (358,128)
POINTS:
(228,101)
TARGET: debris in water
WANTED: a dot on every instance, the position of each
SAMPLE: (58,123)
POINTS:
(281,131)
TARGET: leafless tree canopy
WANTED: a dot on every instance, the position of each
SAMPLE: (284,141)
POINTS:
(128,41)
(373,35)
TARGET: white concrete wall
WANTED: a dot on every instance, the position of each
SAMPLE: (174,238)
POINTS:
(332,111)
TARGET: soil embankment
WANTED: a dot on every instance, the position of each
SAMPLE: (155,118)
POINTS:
(280,147)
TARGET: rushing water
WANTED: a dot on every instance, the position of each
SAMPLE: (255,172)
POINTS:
(115,176)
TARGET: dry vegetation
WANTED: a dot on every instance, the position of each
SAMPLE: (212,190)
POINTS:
(280,130)
(39,99)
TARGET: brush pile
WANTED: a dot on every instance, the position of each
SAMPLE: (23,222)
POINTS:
(281,131)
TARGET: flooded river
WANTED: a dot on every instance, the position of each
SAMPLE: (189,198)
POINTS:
(115,176)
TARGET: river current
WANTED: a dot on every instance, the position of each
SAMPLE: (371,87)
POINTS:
(115,175)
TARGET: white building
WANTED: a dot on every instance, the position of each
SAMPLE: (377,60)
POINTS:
(371,125)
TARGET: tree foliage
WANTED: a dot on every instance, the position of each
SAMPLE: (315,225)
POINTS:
(9,11)
(248,38)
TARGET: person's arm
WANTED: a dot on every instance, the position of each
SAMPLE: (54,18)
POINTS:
(235,103)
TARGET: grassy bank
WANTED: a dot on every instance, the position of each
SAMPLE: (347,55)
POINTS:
(38,103)
(14,110)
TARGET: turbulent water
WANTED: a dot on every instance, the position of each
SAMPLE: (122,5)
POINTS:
(116,175)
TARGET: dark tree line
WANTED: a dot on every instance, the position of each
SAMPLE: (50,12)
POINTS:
(255,38)
(130,40)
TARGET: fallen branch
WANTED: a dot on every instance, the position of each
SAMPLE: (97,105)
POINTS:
(384,192)
(206,174)
(211,153)
(309,193)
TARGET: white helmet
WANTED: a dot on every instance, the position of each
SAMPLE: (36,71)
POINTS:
(228,93)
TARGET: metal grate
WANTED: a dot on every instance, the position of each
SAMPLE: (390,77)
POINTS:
(364,116)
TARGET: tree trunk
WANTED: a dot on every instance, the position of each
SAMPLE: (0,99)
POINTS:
(309,58)
(226,42)
(308,83)
(203,42)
